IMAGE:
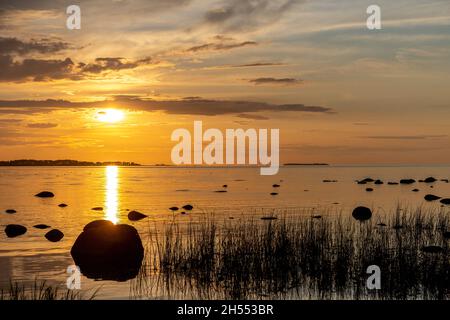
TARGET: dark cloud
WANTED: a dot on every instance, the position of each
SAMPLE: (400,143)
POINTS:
(15,46)
(251,116)
(411,137)
(258,64)
(248,14)
(189,107)
(10,121)
(35,69)
(221,46)
(275,81)
(45,70)
(42,125)
(112,64)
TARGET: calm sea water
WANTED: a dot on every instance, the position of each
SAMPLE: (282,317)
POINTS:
(152,190)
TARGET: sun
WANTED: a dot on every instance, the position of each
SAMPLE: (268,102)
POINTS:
(110,115)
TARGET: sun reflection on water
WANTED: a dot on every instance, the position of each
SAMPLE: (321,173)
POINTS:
(112,194)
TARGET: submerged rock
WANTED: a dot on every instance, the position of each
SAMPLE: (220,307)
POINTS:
(273,193)
(369,189)
(97,209)
(431,197)
(108,252)
(407,181)
(378,182)
(62,205)
(15,230)
(220,191)
(10,211)
(276,185)
(188,207)
(269,218)
(392,183)
(225,186)
(445,201)
(173,208)
(136,215)
(45,194)
(415,190)
(430,180)
(362,213)
(41,226)
(444,180)
(54,235)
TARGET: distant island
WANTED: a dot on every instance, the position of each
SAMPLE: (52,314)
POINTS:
(305,164)
(63,163)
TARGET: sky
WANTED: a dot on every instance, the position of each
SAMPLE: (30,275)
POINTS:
(339,92)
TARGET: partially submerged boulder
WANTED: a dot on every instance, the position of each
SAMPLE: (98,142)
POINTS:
(54,235)
(41,226)
(108,252)
(45,194)
(15,230)
(431,197)
(362,213)
(136,215)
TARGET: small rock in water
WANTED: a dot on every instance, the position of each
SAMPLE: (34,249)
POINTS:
(381,224)
(62,205)
(10,211)
(444,180)
(329,181)
(97,209)
(173,208)
(392,183)
(54,235)
(220,191)
(188,207)
(415,190)
(182,212)
(273,193)
(431,197)
(316,217)
(45,194)
(41,226)
(276,185)
(15,230)
(378,182)
(432,249)
(366,180)
(369,189)
(269,218)
(136,216)
(407,181)
(445,201)
(430,180)
(225,186)
(362,213)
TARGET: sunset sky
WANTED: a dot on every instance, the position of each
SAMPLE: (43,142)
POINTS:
(338,92)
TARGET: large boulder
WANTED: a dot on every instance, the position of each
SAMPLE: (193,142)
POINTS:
(108,252)
(362,213)
(15,230)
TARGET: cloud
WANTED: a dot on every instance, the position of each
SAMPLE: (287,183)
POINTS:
(46,70)
(221,46)
(251,116)
(409,137)
(258,64)
(275,81)
(112,64)
(35,69)
(42,125)
(13,45)
(247,14)
(188,107)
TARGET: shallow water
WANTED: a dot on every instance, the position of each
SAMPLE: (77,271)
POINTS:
(152,190)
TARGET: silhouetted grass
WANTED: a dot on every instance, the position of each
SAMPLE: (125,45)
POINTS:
(304,257)
(40,290)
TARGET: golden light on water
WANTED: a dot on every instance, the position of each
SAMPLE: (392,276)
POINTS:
(112,193)
(110,115)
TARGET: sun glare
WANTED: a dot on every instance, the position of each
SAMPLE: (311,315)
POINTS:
(110,115)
